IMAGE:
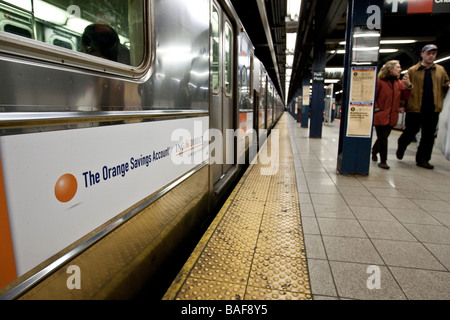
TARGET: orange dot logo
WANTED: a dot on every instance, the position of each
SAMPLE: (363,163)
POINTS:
(66,188)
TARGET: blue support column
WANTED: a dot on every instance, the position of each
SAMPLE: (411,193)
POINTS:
(294,105)
(363,17)
(318,92)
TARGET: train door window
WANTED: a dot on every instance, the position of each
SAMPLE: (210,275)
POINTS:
(228,58)
(12,21)
(63,44)
(18,30)
(251,76)
(109,29)
(215,21)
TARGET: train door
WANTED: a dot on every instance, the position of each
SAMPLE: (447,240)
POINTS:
(266,101)
(222,114)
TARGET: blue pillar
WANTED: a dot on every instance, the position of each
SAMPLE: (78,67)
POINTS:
(363,17)
(318,92)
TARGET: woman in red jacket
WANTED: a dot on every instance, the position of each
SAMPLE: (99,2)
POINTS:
(390,90)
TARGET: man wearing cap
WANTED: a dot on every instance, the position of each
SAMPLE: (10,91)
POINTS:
(430,83)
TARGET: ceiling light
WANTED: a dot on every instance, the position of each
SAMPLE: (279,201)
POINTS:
(343,43)
(77,24)
(367,35)
(47,12)
(291,39)
(388,50)
(366,49)
(289,60)
(442,59)
(331,70)
(21,4)
(293,9)
(43,10)
(397,41)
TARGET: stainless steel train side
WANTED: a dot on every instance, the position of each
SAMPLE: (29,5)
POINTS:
(108,164)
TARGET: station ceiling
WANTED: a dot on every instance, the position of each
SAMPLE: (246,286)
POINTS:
(324,22)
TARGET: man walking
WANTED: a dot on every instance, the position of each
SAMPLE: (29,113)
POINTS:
(430,83)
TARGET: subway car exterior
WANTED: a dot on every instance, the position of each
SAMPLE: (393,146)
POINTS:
(122,124)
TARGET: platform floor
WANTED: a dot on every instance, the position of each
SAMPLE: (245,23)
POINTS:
(307,232)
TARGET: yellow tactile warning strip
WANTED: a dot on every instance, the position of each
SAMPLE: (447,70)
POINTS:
(254,249)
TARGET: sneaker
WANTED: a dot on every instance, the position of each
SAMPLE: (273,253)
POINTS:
(400,154)
(425,164)
(383,165)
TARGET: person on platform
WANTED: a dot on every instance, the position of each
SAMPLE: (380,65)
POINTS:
(430,82)
(390,91)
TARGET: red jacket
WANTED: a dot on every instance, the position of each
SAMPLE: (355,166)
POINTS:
(387,101)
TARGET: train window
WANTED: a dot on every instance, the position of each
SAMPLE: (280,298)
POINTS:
(252,66)
(110,29)
(62,44)
(228,58)
(17,30)
(215,49)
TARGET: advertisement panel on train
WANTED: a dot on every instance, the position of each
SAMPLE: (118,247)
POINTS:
(74,181)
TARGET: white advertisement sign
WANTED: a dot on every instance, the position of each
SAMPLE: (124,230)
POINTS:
(61,185)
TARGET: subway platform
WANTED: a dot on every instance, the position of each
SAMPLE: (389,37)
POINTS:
(304,232)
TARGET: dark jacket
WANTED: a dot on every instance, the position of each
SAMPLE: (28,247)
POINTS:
(387,101)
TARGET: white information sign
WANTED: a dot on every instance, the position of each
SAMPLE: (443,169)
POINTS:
(362,95)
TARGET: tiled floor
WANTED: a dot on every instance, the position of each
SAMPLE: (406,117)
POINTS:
(381,236)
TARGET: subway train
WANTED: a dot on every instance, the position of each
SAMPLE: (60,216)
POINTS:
(123,125)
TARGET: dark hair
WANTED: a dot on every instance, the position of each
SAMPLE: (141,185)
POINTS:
(101,38)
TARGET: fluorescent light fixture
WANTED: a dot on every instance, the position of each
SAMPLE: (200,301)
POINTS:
(291,39)
(21,4)
(397,41)
(388,50)
(442,59)
(367,35)
(337,51)
(290,60)
(47,12)
(331,80)
(43,10)
(331,70)
(293,9)
(366,49)
(343,43)
(77,24)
